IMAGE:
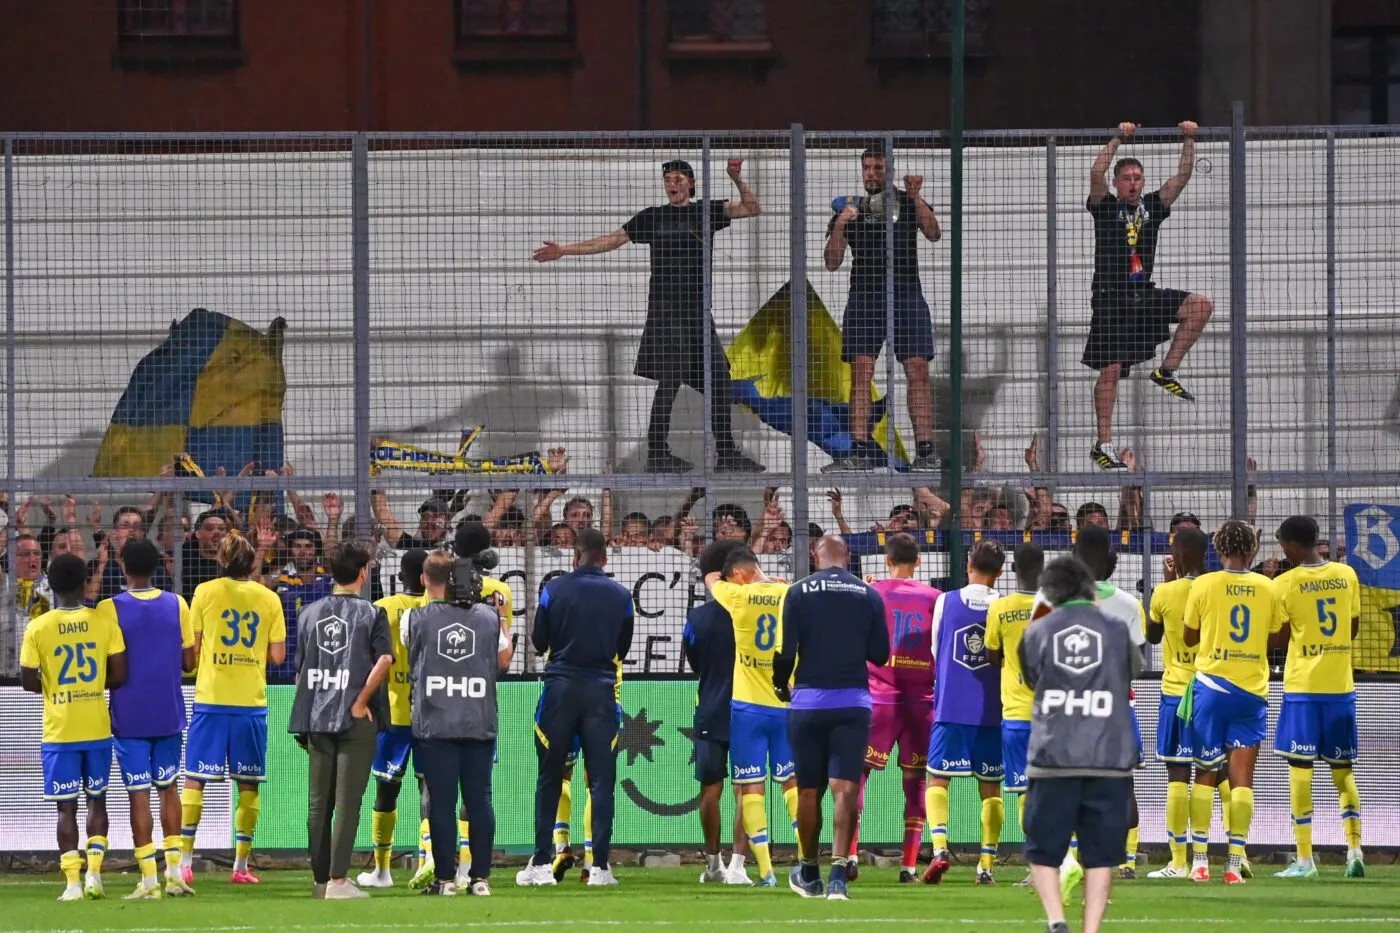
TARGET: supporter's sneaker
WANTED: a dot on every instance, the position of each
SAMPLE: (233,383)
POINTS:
(908,876)
(734,461)
(805,888)
(1233,877)
(858,460)
(928,463)
(601,877)
(1106,458)
(1127,873)
(1166,378)
(663,461)
(985,877)
(143,893)
(1200,873)
(1169,871)
(535,876)
(1355,868)
(480,888)
(424,876)
(375,879)
(563,863)
(942,861)
(245,876)
(1297,869)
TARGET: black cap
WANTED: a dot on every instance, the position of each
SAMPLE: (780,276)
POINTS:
(678,165)
(1181,517)
(435,505)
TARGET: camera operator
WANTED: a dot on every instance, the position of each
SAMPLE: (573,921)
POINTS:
(453,670)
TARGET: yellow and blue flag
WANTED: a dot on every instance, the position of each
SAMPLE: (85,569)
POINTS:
(760,367)
(213,389)
(1373,551)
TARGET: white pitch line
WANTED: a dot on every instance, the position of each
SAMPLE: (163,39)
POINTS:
(530,924)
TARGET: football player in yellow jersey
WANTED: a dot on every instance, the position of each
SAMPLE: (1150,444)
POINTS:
(239,629)
(72,655)
(1175,747)
(758,739)
(396,742)
(1322,605)
(1007,619)
(1234,616)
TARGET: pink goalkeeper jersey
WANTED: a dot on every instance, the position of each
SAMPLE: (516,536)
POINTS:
(908,677)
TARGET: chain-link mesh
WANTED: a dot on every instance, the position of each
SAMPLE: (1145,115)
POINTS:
(384,336)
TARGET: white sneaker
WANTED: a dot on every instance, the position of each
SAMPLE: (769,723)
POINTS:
(480,888)
(92,888)
(375,879)
(713,876)
(1169,871)
(535,876)
(175,886)
(343,891)
(738,876)
(73,892)
(601,877)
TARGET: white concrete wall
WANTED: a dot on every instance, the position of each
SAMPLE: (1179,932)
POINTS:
(467,329)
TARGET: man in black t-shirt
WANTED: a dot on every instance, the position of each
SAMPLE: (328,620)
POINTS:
(1132,316)
(673,339)
(860,223)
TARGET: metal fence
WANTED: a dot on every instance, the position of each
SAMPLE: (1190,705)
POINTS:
(368,298)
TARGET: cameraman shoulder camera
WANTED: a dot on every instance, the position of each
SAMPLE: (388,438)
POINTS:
(471,585)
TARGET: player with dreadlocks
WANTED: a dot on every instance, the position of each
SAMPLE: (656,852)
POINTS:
(1235,616)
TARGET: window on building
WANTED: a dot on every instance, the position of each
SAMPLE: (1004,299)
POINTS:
(924,28)
(195,20)
(538,20)
(1366,75)
(730,23)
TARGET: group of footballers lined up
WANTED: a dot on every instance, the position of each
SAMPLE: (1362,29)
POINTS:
(953,699)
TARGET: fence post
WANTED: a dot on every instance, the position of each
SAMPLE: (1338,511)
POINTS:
(1331,339)
(891,205)
(1239,351)
(707,461)
(797,276)
(10,459)
(956,571)
(1051,463)
(359,232)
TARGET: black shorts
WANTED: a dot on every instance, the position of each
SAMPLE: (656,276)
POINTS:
(828,744)
(711,760)
(1095,808)
(1130,323)
(864,326)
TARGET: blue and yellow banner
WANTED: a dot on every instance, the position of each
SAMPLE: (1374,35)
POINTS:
(1373,551)
(760,366)
(213,390)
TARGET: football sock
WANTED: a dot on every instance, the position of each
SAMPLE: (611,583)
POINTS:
(790,800)
(1301,803)
(1202,805)
(756,828)
(464,846)
(936,807)
(245,821)
(1241,815)
(993,815)
(174,849)
(1178,819)
(191,809)
(913,817)
(146,858)
(1350,800)
(96,851)
(563,815)
(382,835)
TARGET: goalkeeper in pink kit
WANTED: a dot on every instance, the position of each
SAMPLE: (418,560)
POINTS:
(902,691)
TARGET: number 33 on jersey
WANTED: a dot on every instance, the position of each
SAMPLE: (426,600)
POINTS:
(235,621)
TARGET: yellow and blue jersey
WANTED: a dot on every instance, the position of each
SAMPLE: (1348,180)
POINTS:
(1007,619)
(400,683)
(1178,658)
(236,621)
(1319,602)
(1235,612)
(69,648)
(756,610)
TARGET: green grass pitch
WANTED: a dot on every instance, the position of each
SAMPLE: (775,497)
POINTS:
(672,899)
